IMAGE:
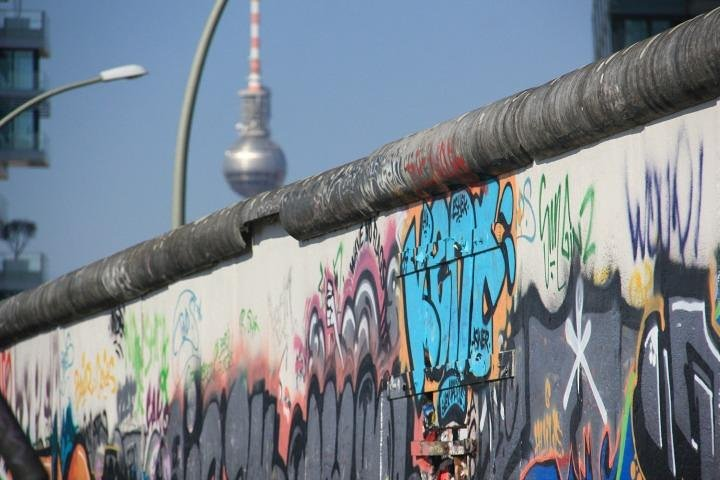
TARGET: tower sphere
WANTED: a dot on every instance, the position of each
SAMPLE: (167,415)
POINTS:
(254,164)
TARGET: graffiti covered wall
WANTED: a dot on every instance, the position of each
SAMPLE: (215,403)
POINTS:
(560,323)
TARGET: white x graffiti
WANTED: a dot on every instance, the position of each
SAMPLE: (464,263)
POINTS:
(578,339)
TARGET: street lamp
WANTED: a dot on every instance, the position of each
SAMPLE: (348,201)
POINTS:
(254,163)
(118,73)
(186,115)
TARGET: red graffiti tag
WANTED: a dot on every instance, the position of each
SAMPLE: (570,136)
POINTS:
(442,162)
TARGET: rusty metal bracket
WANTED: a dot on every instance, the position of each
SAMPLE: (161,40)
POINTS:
(439,448)
(400,386)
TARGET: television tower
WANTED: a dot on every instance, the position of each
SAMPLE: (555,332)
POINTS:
(254,163)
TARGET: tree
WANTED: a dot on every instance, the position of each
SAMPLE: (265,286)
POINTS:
(17,233)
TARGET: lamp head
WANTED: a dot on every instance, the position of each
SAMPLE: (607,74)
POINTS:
(124,72)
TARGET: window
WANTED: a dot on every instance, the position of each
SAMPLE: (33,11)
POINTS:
(636,29)
(22,133)
(658,25)
(630,29)
(18,69)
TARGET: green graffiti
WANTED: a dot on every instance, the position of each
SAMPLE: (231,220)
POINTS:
(206,371)
(222,358)
(627,408)
(337,264)
(147,350)
(164,372)
(322,277)
(248,321)
(564,231)
(223,354)
(336,269)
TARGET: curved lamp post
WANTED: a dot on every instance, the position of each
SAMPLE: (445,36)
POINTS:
(14,446)
(117,73)
(188,107)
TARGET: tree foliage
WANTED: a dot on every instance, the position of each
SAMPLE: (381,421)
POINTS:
(17,234)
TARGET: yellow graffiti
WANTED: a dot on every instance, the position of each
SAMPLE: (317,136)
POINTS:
(546,430)
(641,284)
(95,378)
(635,471)
(548,393)
(602,275)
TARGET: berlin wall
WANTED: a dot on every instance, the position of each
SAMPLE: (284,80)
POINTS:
(548,314)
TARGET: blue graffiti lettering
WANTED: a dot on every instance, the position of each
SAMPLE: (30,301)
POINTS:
(453,271)
(452,399)
(666,216)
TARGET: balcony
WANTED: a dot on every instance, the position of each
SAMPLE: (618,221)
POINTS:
(27,271)
(24,30)
(23,149)
(18,85)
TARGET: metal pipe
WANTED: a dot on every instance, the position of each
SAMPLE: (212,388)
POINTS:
(188,108)
(15,449)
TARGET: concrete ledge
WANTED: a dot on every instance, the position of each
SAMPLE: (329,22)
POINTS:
(651,79)
(128,274)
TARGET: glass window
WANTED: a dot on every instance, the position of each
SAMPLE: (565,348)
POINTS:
(20,134)
(24,134)
(24,66)
(17,69)
(636,29)
(6,68)
(658,25)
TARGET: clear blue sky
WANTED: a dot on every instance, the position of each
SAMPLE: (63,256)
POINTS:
(346,78)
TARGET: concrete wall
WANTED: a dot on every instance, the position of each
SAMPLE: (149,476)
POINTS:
(576,297)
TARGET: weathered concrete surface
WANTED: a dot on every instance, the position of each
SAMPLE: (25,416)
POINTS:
(651,79)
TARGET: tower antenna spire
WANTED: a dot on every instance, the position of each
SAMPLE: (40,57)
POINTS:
(254,81)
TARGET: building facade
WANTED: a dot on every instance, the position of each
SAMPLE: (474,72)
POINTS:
(23,45)
(620,23)
(22,273)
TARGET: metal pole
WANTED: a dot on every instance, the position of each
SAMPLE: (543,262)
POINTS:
(188,107)
(15,449)
(45,95)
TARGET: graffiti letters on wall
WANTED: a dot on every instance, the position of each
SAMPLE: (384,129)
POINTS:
(286,372)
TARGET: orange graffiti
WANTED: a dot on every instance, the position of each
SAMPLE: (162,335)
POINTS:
(79,469)
(5,372)
(547,433)
(546,430)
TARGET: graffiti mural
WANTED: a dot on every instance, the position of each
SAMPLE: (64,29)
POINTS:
(458,269)
(554,323)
